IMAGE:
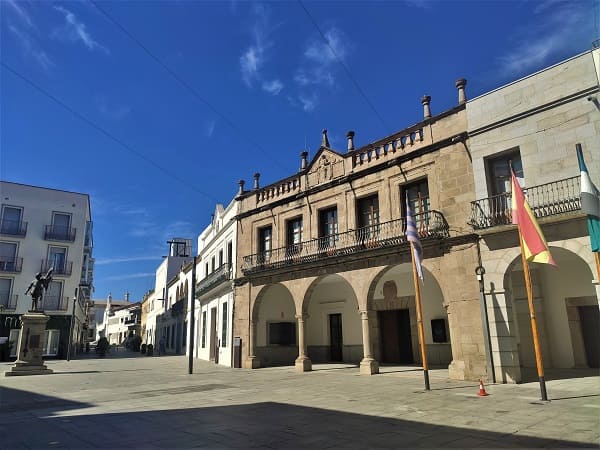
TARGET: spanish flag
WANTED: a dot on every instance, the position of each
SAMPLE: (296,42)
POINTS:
(534,244)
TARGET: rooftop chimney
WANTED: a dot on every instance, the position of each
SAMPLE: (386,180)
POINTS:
(350,136)
(241,185)
(325,141)
(256,178)
(303,162)
(126,296)
(462,96)
(425,101)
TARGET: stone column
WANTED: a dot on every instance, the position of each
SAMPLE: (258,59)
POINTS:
(252,362)
(425,101)
(350,137)
(303,362)
(32,340)
(460,85)
(368,365)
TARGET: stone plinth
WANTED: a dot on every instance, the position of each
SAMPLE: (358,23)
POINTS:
(303,364)
(251,362)
(31,344)
(368,366)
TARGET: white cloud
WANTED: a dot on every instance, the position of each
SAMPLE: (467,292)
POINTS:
(273,87)
(309,102)
(21,12)
(76,31)
(31,49)
(554,31)
(130,276)
(254,58)
(250,64)
(125,259)
(321,59)
(209,128)
(116,112)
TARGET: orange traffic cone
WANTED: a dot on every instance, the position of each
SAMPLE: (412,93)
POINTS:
(482,392)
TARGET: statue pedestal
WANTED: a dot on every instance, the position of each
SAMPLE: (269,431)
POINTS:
(31,344)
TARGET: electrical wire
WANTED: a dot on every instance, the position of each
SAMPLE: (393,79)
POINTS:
(185,84)
(386,127)
(105,132)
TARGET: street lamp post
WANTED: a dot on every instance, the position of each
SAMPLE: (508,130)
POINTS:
(192,314)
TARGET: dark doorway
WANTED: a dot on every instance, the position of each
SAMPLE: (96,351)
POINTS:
(213,333)
(590,328)
(336,342)
(396,342)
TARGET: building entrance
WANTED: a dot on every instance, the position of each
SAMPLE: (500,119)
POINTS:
(335,338)
(395,336)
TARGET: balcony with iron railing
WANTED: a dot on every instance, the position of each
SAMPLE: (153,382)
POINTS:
(60,233)
(10,264)
(546,200)
(8,302)
(54,303)
(13,228)
(64,268)
(215,278)
(133,321)
(431,225)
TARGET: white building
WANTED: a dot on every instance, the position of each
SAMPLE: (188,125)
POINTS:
(158,318)
(216,270)
(533,124)
(97,315)
(43,228)
(122,322)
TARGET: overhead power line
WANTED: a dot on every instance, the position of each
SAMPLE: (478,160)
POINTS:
(105,132)
(386,127)
(185,84)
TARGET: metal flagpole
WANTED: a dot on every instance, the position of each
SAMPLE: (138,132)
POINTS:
(72,324)
(420,319)
(534,330)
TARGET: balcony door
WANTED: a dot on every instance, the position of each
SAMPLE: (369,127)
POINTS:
(53,296)
(11,219)
(61,224)
(5,290)
(367,218)
(328,228)
(57,258)
(498,168)
(8,256)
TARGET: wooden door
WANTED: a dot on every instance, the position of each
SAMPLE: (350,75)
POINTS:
(396,341)
(590,323)
(213,333)
(336,343)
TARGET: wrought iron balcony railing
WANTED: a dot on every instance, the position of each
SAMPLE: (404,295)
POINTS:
(55,303)
(59,233)
(545,200)
(8,301)
(12,265)
(13,228)
(133,321)
(220,275)
(431,225)
(64,268)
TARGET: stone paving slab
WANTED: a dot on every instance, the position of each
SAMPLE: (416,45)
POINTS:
(131,401)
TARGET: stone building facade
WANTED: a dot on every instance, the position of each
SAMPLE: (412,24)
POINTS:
(325,270)
(534,124)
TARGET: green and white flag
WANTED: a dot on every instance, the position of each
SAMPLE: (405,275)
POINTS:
(590,202)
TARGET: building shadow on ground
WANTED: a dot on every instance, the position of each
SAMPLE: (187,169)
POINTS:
(256,425)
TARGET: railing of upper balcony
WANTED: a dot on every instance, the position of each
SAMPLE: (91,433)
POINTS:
(133,321)
(10,264)
(55,303)
(59,233)
(13,228)
(223,273)
(431,225)
(64,268)
(545,200)
(8,301)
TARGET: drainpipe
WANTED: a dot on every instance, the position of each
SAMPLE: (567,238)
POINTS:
(487,339)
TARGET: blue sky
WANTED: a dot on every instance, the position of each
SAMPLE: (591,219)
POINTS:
(265,81)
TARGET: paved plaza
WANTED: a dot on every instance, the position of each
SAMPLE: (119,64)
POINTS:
(132,401)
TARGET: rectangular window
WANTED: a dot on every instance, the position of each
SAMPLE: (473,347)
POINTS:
(11,222)
(498,171)
(367,217)
(6,299)
(282,333)
(212,264)
(224,327)
(173,336)
(206,270)
(13,337)
(61,225)
(220,258)
(230,253)
(8,256)
(294,235)
(419,200)
(328,227)
(53,300)
(57,258)
(52,339)
(203,329)
(265,243)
